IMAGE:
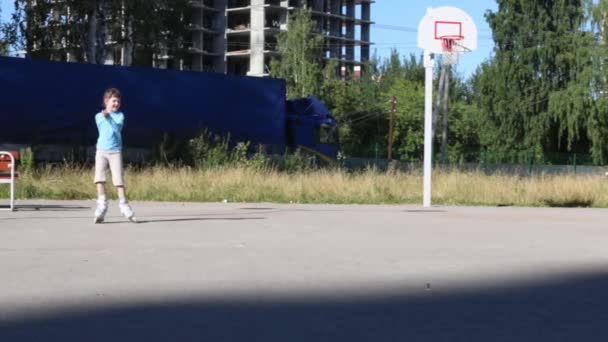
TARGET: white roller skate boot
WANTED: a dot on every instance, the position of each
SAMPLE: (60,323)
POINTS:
(101,210)
(126,211)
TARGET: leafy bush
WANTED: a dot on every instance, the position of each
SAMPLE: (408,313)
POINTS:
(208,150)
(27,160)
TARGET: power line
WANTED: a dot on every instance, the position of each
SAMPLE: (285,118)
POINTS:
(395,28)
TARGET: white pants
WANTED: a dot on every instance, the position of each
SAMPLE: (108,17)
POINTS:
(114,160)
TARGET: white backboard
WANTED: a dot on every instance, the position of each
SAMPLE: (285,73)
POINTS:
(446,22)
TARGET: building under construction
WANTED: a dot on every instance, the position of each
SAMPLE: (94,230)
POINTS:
(240,36)
(253,25)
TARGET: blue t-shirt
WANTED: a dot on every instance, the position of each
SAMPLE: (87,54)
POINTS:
(109,128)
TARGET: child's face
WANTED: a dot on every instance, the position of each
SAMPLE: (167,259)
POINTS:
(112,104)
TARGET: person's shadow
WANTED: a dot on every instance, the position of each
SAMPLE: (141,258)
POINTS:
(186,219)
(47,207)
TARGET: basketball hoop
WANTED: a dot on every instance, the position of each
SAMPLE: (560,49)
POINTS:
(451,48)
(450,32)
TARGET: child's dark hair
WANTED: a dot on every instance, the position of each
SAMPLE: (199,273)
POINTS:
(111,92)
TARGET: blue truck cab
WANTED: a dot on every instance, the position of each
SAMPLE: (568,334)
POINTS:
(312,128)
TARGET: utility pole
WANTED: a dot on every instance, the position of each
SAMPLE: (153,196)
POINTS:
(391,124)
(438,99)
(446,99)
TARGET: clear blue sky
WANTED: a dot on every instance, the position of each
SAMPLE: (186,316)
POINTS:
(406,14)
(7,9)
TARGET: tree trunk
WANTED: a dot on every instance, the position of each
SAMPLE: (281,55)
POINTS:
(30,19)
(126,53)
(92,35)
(100,46)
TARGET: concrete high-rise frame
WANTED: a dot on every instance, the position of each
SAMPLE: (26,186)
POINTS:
(254,24)
(208,35)
(240,36)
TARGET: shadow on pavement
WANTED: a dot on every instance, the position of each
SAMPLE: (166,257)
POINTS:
(47,207)
(573,308)
(257,208)
(185,219)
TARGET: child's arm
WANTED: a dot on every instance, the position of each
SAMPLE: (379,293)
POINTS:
(99,119)
(115,121)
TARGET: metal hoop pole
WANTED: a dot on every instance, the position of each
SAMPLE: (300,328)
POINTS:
(429,63)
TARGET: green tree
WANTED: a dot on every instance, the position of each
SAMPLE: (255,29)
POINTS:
(157,27)
(300,62)
(362,107)
(464,122)
(535,92)
(356,104)
(3,41)
(86,29)
(597,122)
(409,118)
(396,67)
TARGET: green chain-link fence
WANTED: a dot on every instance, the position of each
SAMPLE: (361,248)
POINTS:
(376,156)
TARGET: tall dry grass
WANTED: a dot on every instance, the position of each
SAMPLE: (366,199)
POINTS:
(320,186)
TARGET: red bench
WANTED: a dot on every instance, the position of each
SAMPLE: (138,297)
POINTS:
(9,174)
